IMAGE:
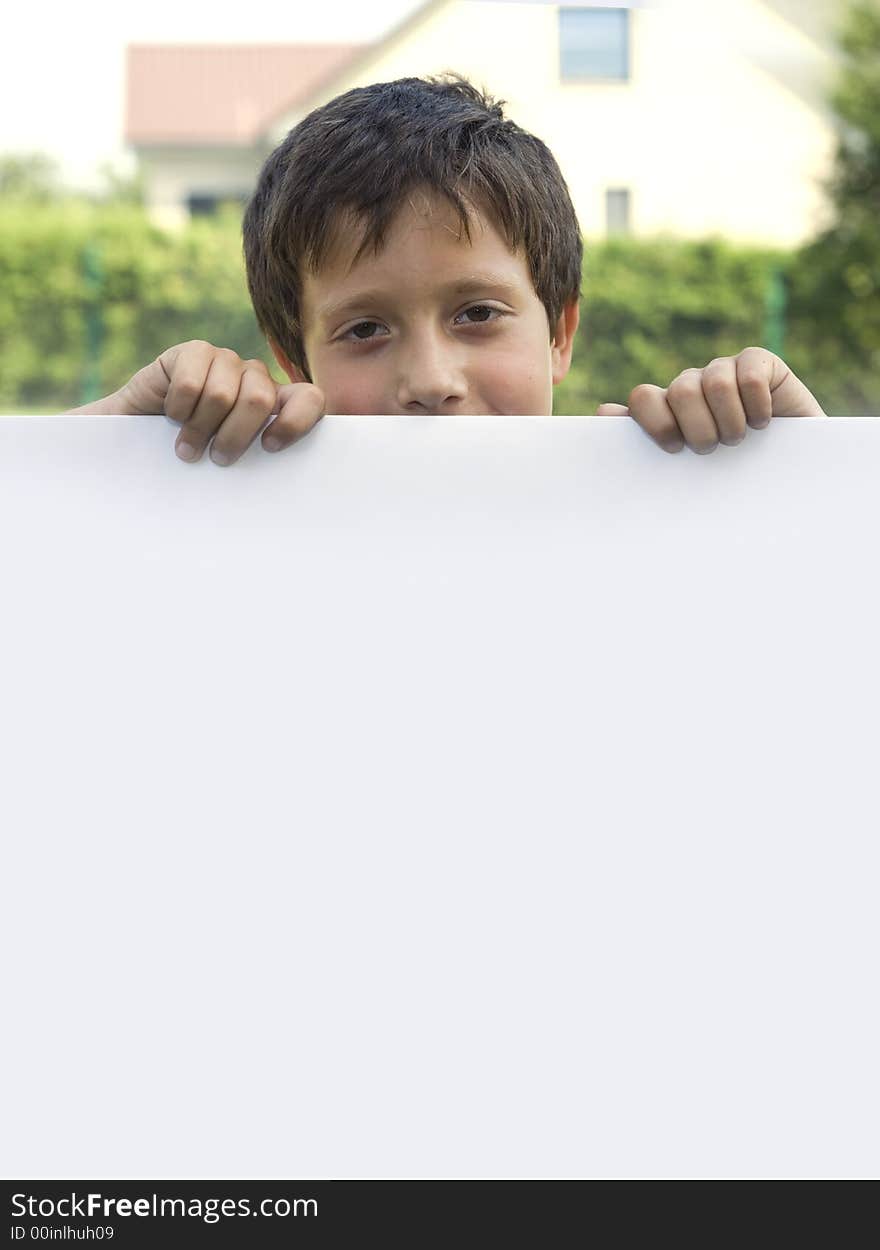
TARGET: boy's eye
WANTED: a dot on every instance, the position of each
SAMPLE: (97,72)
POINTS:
(477,314)
(484,312)
(356,330)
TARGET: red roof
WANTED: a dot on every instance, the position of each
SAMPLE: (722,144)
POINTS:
(219,94)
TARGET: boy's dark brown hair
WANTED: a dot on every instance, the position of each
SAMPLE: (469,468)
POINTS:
(364,152)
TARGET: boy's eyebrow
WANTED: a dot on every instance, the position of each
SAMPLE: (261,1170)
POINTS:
(474,282)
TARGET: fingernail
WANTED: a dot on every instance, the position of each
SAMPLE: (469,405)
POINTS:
(186,451)
(271,443)
(219,457)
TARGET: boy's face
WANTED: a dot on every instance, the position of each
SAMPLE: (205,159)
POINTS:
(433,325)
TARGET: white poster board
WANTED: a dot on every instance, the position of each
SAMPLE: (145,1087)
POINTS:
(442,797)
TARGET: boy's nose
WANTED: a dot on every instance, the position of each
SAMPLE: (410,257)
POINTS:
(431,379)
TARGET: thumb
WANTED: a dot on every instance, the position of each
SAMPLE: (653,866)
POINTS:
(788,395)
(612,410)
(299,407)
(146,391)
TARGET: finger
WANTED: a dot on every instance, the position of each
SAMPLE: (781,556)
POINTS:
(257,397)
(770,389)
(217,400)
(300,408)
(693,415)
(722,395)
(649,409)
(754,376)
(186,367)
(612,410)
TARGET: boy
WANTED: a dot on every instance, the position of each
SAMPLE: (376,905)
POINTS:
(408,250)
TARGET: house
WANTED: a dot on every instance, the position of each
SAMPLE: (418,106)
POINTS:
(666,116)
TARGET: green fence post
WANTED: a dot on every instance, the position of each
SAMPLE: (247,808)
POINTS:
(775,309)
(93,277)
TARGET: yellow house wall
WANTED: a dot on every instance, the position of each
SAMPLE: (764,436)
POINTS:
(720,128)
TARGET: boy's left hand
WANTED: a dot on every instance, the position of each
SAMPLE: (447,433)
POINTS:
(705,407)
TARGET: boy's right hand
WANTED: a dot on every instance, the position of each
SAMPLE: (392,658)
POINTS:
(214,394)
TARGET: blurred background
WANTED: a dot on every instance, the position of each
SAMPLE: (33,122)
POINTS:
(723,157)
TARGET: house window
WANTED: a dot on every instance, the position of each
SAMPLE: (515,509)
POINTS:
(202,205)
(205,205)
(593,44)
(617,211)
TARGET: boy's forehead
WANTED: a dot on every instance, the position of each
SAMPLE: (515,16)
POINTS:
(421,209)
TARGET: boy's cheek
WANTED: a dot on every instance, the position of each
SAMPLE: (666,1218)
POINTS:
(351,397)
(517,378)
(354,403)
(521,387)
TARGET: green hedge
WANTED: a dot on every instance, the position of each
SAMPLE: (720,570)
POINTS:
(151,289)
(89,294)
(653,307)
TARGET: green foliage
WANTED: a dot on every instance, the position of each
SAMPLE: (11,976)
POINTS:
(653,307)
(154,289)
(119,188)
(836,279)
(854,186)
(31,178)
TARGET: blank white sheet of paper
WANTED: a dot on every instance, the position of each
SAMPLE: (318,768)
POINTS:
(441,797)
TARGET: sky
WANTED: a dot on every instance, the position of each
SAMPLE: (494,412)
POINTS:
(62,64)
(62,61)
